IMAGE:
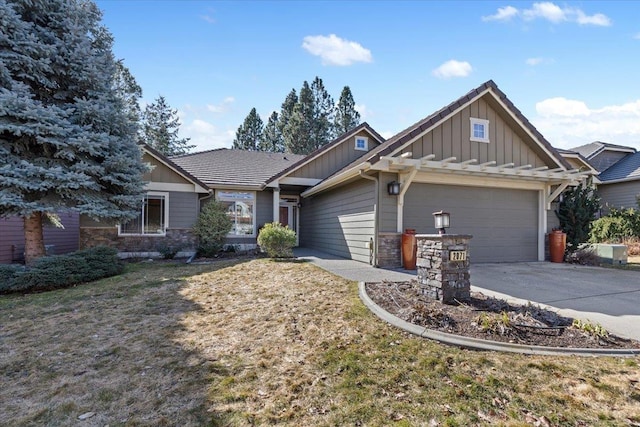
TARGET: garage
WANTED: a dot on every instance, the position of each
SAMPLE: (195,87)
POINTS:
(503,222)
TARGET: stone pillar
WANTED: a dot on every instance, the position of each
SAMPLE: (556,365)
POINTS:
(443,266)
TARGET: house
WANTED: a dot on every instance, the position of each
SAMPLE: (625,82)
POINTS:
(478,158)
(167,212)
(619,172)
(57,240)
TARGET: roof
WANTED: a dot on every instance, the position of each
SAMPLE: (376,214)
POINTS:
(592,149)
(626,169)
(306,159)
(397,141)
(167,161)
(235,168)
(576,155)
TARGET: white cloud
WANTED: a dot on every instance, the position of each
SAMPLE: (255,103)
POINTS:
(534,61)
(598,19)
(503,14)
(637,36)
(453,68)
(223,107)
(208,18)
(336,51)
(568,123)
(206,136)
(546,10)
(550,12)
(365,113)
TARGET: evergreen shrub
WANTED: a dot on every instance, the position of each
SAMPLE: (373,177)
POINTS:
(577,210)
(277,240)
(61,271)
(618,226)
(212,226)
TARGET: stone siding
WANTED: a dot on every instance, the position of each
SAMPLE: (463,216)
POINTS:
(438,276)
(389,250)
(90,237)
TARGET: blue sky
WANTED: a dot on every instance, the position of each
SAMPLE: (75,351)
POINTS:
(572,68)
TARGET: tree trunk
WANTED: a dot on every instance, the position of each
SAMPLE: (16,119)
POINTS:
(33,238)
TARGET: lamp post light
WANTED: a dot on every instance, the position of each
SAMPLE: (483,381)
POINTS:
(442,221)
(393,188)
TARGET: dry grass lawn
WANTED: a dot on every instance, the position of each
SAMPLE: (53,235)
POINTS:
(258,342)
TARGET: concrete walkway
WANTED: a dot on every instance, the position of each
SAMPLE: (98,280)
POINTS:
(610,297)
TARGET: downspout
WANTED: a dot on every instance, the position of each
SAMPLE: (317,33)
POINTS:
(375,217)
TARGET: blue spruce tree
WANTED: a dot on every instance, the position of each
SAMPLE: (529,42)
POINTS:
(66,141)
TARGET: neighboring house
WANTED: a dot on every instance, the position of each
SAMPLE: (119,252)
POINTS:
(478,158)
(619,168)
(57,240)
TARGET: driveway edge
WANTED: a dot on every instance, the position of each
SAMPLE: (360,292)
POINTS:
(478,344)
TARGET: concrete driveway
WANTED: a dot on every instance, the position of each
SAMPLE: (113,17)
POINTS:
(607,296)
(610,297)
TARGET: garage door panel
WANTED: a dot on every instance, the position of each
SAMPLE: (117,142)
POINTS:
(503,222)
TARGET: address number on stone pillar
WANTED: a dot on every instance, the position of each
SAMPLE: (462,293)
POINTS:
(458,256)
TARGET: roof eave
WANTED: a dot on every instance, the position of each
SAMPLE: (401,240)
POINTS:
(336,179)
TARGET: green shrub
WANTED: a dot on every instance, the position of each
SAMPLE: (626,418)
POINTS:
(277,241)
(576,212)
(212,228)
(61,271)
(168,251)
(619,225)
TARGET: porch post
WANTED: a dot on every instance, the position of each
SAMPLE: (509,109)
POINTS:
(542,221)
(276,204)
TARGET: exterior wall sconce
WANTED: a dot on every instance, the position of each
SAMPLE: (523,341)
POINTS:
(442,221)
(393,188)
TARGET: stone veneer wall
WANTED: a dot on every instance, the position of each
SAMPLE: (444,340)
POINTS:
(90,237)
(439,277)
(389,249)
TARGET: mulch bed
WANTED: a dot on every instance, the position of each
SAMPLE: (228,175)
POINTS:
(493,319)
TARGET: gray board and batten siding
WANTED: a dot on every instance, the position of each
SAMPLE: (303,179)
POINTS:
(620,194)
(503,222)
(341,221)
(333,159)
(507,139)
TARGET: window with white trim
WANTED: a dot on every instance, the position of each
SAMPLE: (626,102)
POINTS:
(362,143)
(152,219)
(240,207)
(479,130)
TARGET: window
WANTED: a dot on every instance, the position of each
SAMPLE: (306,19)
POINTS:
(152,219)
(479,130)
(362,143)
(241,208)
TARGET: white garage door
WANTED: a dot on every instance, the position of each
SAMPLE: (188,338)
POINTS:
(503,222)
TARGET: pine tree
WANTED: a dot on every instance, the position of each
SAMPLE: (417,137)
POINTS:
(346,116)
(160,127)
(286,111)
(249,134)
(272,137)
(322,117)
(127,89)
(298,133)
(66,141)
(576,211)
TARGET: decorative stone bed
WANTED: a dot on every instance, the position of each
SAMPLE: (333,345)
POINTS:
(488,323)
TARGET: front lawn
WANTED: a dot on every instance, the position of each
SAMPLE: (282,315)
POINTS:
(260,342)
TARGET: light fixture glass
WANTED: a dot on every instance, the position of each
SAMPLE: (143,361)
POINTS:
(393,188)
(442,221)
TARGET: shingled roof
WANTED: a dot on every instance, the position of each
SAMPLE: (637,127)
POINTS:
(158,155)
(592,149)
(235,168)
(626,169)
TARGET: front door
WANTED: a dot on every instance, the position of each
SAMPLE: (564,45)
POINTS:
(289,214)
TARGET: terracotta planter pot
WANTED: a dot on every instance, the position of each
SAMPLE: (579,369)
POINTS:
(409,249)
(557,245)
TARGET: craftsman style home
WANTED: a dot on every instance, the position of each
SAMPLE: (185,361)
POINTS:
(478,158)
